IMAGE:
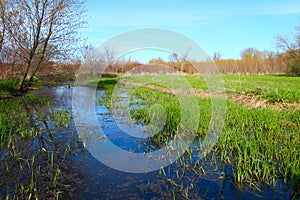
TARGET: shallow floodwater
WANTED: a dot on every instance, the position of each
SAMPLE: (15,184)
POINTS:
(93,180)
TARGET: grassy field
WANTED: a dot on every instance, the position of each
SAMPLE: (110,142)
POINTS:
(274,88)
(261,145)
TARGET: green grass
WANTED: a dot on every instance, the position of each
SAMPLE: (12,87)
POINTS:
(260,145)
(7,86)
(30,158)
(273,88)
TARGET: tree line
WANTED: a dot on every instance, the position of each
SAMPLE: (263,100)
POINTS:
(36,34)
(252,61)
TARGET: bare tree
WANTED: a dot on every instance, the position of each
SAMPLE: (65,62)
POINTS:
(2,24)
(94,61)
(109,58)
(43,30)
(250,58)
(217,56)
(292,49)
(181,61)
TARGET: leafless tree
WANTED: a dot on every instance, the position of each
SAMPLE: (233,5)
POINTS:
(217,56)
(43,30)
(94,61)
(292,49)
(2,24)
(181,61)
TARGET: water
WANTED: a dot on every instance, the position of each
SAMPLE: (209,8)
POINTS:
(90,179)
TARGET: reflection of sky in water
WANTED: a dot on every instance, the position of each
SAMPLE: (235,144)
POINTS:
(115,134)
(101,182)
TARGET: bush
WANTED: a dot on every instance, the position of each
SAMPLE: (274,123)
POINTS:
(8,85)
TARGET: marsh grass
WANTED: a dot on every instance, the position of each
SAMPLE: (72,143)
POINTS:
(260,146)
(31,159)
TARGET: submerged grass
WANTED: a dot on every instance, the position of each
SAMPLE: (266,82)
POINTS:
(31,161)
(261,146)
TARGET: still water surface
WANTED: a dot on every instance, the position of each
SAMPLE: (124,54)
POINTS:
(93,180)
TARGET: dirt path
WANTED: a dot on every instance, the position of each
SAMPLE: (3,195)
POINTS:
(250,100)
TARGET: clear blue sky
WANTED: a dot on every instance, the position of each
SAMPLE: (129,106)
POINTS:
(225,26)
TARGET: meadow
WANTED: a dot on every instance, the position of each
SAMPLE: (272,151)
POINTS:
(274,88)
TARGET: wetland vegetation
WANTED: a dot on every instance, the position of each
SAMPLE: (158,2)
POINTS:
(255,152)
(259,145)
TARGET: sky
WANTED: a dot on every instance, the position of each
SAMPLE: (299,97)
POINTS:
(226,26)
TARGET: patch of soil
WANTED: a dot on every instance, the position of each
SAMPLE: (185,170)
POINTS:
(253,101)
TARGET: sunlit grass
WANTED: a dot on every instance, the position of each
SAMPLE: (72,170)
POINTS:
(274,88)
(260,145)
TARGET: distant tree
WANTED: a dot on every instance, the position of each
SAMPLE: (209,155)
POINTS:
(94,61)
(248,53)
(43,30)
(292,49)
(250,58)
(181,62)
(109,58)
(268,61)
(158,60)
(217,56)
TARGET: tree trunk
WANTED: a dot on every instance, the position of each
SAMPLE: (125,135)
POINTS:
(20,86)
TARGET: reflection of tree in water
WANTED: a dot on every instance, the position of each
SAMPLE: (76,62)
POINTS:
(35,158)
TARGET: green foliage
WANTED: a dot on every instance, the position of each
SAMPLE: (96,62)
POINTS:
(274,88)
(261,145)
(294,65)
(14,116)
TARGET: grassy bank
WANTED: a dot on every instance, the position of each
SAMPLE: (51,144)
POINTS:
(8,86)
